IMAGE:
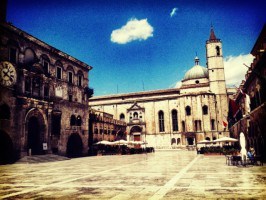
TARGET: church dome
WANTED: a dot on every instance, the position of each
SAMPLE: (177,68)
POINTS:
(196,72)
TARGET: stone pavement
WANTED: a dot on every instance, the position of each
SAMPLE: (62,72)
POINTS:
(159,175)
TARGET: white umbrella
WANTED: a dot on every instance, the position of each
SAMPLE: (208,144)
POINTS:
(121,142)
(226,139)
(243,146)
(105,142)
(204,142)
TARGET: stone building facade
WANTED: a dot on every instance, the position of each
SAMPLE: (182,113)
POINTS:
(249,115)
(105,127)
(44,98)
(177,117)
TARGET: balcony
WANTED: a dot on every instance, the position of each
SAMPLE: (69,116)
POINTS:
(89,92)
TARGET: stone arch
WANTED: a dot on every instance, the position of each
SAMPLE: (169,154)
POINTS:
(135,115)
(122,117)
(74,146)
(173,141)
(35,131)
(205,110)
(6,148)
(136,132)
(135,129)
(59,63)
(178,141)
(188,110)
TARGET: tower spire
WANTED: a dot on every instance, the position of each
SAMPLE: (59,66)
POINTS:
(212,35)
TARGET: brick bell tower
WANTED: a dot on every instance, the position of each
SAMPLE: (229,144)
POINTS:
(215,66)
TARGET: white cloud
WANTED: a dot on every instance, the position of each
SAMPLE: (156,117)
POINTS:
(134,30)
(234,68)
(173,12)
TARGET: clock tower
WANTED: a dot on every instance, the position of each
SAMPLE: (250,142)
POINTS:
(8,74)
(215,66)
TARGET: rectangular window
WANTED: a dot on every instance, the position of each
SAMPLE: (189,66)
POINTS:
(213,124)
(79,80)
(13,55)
(70,77)
(46,67)
(174,120)
(70,98)
(59,72)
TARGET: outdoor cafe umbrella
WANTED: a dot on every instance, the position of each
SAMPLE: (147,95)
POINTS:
(105,142)
(204,142)
(243,146)
(226,139)
(120,142)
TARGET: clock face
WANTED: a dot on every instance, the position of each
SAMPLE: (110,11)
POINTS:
(8,74)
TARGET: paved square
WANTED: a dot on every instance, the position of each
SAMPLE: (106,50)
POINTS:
(159,175)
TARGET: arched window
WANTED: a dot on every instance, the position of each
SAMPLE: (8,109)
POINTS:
(218,51)
(80,78)
(29,56)
(70,73)
(135,115)
(174,120)
(73,120)
(45,62)
(79,121)
(188,110)
(4,112)
(212,124)
(205,110)
(207,138)
(178,141)
(173,141)
(59,70)
(122,117)
(161,121)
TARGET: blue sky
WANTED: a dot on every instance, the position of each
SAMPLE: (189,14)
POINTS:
(146,44)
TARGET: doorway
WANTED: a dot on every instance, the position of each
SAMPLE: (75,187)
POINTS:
(6,149)
(74,146)
(190,141)
(34,139)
